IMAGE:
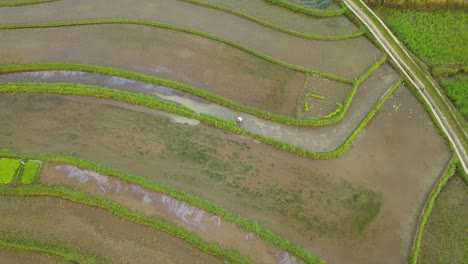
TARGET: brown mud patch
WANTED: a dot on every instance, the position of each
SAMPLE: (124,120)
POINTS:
(209,227)
(92,230)
(347,58)
(22,257)
(359,208)
(203,63)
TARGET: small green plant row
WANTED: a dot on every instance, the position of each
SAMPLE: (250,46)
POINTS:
(276,27)
(126,213)
(314,95)
(61,251)
(308,11)
(156,103)
(249,225)
(180,29)
(11,168)
(427,210)
(288,120)
(23,2)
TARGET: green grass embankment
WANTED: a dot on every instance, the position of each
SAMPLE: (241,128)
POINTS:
(330,119)
(61,251)
(276,27)
(24,2)
(249,225)
(126,213)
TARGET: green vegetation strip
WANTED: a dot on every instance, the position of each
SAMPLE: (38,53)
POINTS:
(126,213)
(180,29)
(321,121)
(276,27)
(458,124)
(249,225)
(308,11)
(8,170)
(23,2)
(156,103)
(30,170)
(427,211)
(59,251)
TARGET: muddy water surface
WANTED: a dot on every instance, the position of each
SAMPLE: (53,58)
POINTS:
(209,227)
(276,15)
(348,58)
(360,208)
(200,62)
(92,230)
(320,139)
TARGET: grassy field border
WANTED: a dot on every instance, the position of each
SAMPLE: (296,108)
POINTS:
(428,209)
(288,120)
(458,124)
(158,104)
(24,2)
(61,251)
(356,34)
(128,214)
(249,225)
(180,29)
(308,11)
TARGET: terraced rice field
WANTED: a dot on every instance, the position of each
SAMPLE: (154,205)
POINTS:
(123,115)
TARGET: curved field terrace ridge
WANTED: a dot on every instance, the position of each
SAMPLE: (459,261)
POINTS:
(119,136)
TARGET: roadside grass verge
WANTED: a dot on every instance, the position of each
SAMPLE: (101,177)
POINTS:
(274,26)
(23,2)
(158,104)
(308,11)
(428,209)
(249,225)
(30,170)
(128,214)
(180,29)
(321,121)
(8,170)
(458,124)
(457,90)
(61,251)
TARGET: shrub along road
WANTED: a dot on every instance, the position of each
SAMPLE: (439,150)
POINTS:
(411,72)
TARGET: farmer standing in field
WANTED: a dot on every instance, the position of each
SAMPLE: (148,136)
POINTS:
(239,121)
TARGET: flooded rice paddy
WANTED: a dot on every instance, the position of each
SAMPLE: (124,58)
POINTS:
(209,227)
(100,232)
(24,257)
(347,58)
(203,63)
(278,16)
(320,139)
(361,208)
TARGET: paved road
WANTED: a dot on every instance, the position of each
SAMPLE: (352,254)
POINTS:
(408,71)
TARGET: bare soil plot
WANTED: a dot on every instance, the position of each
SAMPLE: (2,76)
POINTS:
(445,235)
(347,58)
(209,227)
(276,15)
(94,230)
(21,257)
(360,208)
(197,61)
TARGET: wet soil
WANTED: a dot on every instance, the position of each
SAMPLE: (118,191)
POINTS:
(278,16)
(209,227)
(92,230)
(347,58)
(187,58)
(11,256)
(320,139)
(360,208)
